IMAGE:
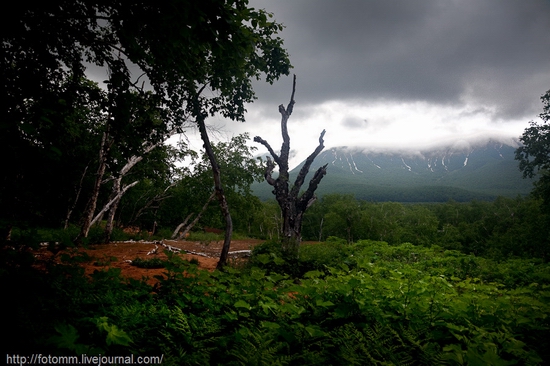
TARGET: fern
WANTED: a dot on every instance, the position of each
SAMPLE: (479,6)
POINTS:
(428,353)
(379,344)
(256,347)
(187,341)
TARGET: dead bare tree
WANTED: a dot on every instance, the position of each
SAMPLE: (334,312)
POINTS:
(117,190)
(293,205)
(178,228)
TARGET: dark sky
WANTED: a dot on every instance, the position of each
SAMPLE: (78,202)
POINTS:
(407,74)
(494,53)
(386,74)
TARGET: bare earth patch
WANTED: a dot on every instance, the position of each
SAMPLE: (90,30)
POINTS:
(120,255)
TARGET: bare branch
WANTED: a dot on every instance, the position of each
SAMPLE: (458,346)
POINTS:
(268,147)
(308,198)
(147,148)
(321,141)
(269,171)
(290,106)
(305,168)
(285,148)
(194,222)
(149,204)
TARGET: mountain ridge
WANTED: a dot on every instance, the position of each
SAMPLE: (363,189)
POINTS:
(462,171)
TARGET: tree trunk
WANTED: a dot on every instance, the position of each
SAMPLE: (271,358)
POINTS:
(106,143)
(197,218)
(178,228)
(293,206)
(218,188)
(112,210)
(77,196)
(112,201)
(117,193)
(321,228)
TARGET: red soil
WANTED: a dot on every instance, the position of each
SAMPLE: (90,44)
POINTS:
(120,255)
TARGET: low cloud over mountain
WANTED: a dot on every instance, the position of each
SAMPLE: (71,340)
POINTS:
(462,171)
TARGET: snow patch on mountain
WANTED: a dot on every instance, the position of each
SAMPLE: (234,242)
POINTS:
(437,161)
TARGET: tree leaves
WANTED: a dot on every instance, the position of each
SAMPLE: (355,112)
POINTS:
(534,155)
(159,57)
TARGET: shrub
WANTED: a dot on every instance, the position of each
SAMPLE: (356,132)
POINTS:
(269,256)
(204,237)
(164,233)
(119,235)
(330,253)
(149,263)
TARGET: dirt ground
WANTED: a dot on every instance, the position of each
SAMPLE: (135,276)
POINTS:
(120,255)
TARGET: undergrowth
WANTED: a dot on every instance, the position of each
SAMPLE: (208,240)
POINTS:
(149,263)
(366,303)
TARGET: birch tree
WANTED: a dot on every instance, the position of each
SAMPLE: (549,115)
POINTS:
(118,190)
(197,58)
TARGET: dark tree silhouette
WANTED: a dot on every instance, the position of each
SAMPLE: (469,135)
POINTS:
(293,204)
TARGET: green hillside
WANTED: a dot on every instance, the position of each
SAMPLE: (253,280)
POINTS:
(479,173)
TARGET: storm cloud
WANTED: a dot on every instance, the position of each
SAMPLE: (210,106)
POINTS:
(421,73)
(487,53)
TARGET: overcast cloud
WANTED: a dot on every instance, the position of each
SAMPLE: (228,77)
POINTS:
(405,74)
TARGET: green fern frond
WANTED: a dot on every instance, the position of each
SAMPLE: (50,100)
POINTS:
(257,347)
(188,339)
(428,353)
(179,321)
(378,344)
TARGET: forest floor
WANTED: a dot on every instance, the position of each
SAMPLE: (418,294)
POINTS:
(120,255)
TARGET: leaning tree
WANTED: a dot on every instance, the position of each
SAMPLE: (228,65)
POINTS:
(196,59)
(293,204)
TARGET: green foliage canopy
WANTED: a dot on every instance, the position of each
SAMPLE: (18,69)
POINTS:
(192,190)
(169,62)
(180,45)
(534,155)
(505,227)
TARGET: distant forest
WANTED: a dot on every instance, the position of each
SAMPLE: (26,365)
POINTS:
(501,228)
